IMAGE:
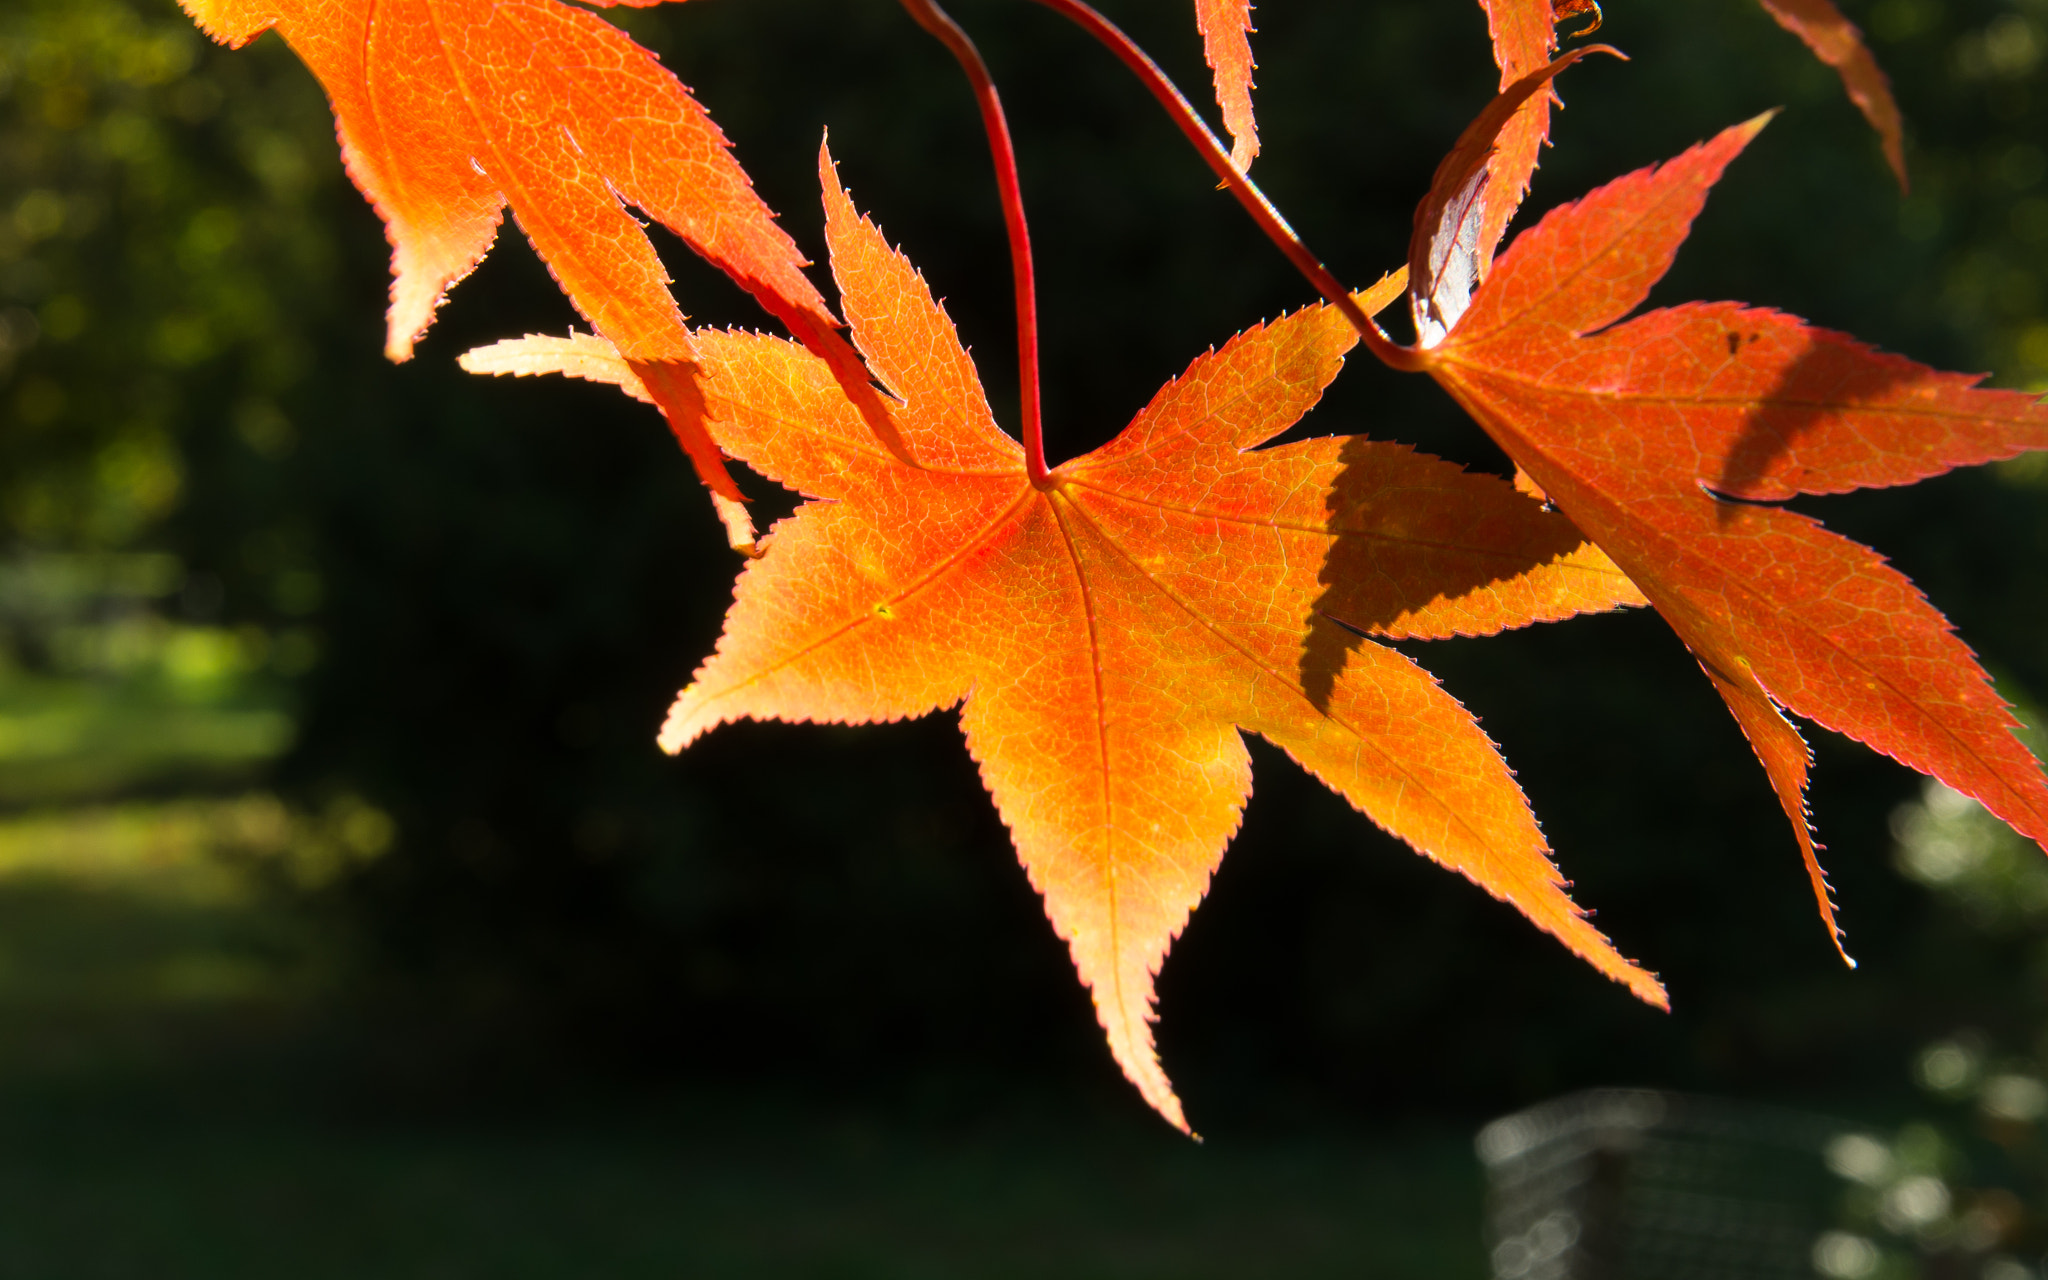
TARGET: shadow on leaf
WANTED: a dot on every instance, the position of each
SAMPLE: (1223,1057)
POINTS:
(1406,547)
(1812,390)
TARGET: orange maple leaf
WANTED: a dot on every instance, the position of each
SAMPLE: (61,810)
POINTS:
(1226,27)
(1666,436)
(449,110)
(1110,635)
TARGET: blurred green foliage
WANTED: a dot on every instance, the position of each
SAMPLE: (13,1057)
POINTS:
(404,637)
(1962,1187)
(160,255)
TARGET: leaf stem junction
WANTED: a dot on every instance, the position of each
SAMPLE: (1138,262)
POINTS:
(1268,218)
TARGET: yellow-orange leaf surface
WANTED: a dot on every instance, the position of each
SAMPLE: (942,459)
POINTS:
(1666,436)
(1226,43)
(449,110)
(1108,637)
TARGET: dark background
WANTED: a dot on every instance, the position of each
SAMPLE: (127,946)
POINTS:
(472,600)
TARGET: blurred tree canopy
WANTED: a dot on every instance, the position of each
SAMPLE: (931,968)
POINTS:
(439,618)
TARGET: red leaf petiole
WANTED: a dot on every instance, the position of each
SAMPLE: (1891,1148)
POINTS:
(1003,152)
(1255,203)
(934,19)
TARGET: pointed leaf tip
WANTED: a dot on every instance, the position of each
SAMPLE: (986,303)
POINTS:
(1226,27)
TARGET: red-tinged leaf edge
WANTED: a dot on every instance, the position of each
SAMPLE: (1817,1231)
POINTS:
(1836,42)
(1786,758)
(1445,249)
(676,388)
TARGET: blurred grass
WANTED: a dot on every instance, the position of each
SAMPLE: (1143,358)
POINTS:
(102,694)
(182,1094)
(194,1080)
(60,739)
(156,1119)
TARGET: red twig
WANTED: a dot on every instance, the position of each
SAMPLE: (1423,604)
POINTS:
(1247,192)
(934,19)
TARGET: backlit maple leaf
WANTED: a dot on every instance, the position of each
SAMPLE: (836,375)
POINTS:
(1109,637)
(1666,436)
(449,110)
